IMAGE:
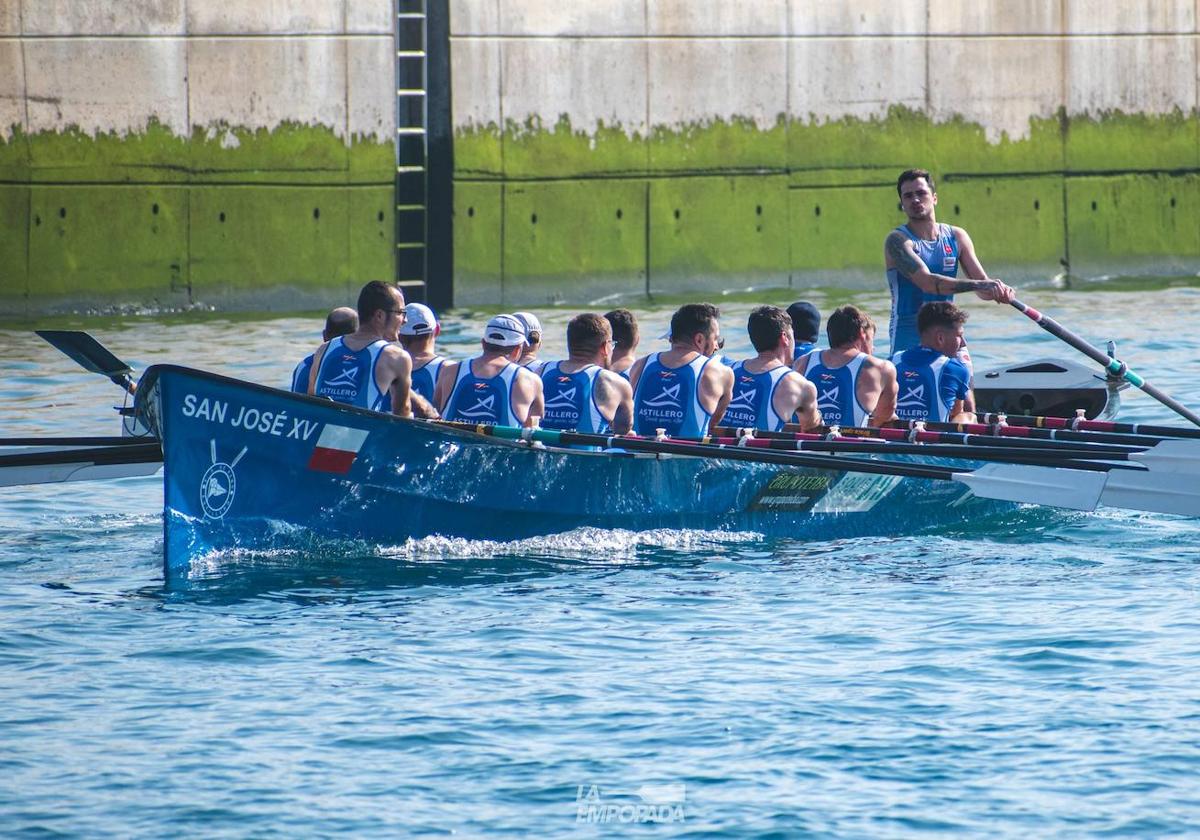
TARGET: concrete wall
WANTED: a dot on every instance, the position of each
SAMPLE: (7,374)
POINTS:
(637,146)
(172,152)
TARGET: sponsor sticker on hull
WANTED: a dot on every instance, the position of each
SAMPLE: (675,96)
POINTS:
(792,491)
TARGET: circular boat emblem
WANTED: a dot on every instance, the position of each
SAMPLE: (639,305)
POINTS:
(217,488)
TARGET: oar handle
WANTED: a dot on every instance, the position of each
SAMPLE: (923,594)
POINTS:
(1116,367)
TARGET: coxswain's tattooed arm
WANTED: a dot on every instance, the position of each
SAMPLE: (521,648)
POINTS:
(900,255)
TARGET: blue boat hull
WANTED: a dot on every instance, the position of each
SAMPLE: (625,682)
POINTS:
(250,467)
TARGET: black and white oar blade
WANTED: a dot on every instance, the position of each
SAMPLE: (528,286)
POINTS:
(1051,486)
(86,351)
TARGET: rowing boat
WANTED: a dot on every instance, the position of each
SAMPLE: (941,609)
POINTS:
(252,467)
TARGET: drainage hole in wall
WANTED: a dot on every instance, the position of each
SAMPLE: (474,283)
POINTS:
(37,221)
(619,213)
(62,212)
(1172,201)
(956,210)
(817,210)
(222,216)
(533,218)
(676,213)
(1037,205)
(1093,205)
(154,209)
(316,212)
(758,210)
(379,217)
(470,211)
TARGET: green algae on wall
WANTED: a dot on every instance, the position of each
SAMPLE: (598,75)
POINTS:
(827,197)
(226,214)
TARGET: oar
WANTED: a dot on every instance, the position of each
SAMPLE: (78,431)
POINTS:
(1082,425)
(1114,366)
(1080,458)
(927,438)
(1030,433)
(39,464)
(90,354)
(1055,487)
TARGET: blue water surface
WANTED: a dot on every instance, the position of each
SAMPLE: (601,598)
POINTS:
(1031,675)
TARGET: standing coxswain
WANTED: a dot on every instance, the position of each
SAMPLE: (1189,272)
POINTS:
(922,259)
(684,390)
(580,393)
(853,386)
(418,335)
(366,368)
(767,393)
(933,384)
(492,389)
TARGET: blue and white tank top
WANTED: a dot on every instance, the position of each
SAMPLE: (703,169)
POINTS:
(940,256)
(485,401)
(424,378)
(535,366)
(571,399)
(930,383)
(837,390)
(348,376)
(669,398)
(753,403)
(300,375)
(803,348)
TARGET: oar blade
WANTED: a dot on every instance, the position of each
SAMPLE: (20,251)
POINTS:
(86,351)
(1173,456)
(1051,486)
(1154,492)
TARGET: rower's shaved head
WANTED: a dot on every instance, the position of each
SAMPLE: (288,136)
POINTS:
(340,321)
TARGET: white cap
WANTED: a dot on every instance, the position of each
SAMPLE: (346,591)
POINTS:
(419,320)
(504,331)
(530,322)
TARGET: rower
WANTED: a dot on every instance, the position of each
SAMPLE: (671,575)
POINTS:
(933,384)
(626,336)
(853,386)
(533,341)
(418,334)
(806,327)
(684,390)
(766,391)
(341,321)
(579,393)
(366,368)
(492,389)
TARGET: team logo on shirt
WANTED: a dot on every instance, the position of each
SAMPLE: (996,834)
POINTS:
(348,376)
(564,399)
(914,396)
(828,399)
(669,398)
(744,398)
(484,407)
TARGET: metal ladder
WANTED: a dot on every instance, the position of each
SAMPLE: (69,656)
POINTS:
(423,156)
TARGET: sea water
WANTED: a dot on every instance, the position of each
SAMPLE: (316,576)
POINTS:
(1034,675)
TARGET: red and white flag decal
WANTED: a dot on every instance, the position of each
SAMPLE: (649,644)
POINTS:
(336,449)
